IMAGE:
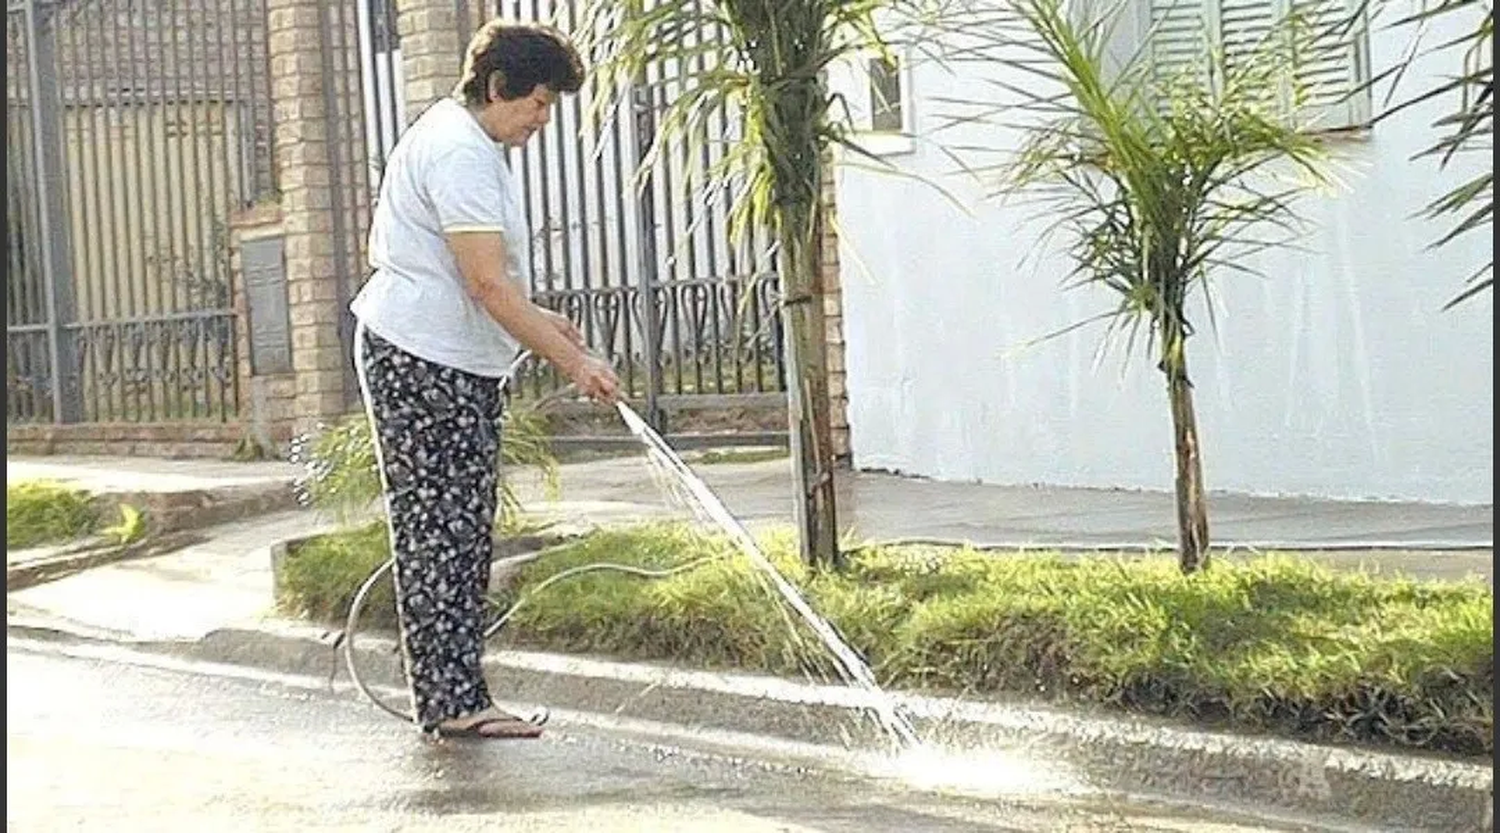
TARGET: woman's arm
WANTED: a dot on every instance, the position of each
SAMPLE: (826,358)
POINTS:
(481,260)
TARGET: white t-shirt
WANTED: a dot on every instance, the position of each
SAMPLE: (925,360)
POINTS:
(445,175)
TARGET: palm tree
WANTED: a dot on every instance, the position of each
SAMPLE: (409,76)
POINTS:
(1160,180)
(764,60)
(1468,128)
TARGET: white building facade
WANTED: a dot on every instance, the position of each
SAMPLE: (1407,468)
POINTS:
(1338,374)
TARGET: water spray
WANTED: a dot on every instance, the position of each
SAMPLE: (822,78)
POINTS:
(851,667)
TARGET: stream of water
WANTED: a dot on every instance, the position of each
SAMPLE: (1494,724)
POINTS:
(851,666)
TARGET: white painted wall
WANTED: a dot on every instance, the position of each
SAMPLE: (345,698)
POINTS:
(1337,376)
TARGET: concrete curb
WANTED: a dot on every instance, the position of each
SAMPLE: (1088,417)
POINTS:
(1327,785)
(94,554)
(200,508)
(172,521)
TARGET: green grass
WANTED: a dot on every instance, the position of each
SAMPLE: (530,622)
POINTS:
(41,512)
(342,478)
(319,577)
(1277,644)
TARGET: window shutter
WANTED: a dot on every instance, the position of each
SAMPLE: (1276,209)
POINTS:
(1332,71)
(1244,26)
(1179,35)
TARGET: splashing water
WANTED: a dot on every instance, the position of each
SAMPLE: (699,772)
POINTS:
(854,669)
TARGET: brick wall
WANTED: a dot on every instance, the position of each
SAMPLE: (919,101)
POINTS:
(431,50)
(172,440)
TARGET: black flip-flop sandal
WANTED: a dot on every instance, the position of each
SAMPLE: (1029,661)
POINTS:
(518,728)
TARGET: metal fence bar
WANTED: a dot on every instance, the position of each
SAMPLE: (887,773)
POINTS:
(125,395)
(25,310)
(136,380)
(228,89)
(203,171)
(616,140)
(173,391)
(197,252)
(41,67)
(644,121)
(259,64)
(87,258)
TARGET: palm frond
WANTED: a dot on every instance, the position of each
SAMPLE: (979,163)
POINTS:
(1469,126)
(1157,180)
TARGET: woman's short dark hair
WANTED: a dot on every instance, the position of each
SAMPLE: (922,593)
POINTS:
(524,55)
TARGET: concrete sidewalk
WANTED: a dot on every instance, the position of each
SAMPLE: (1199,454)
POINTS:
(147,474)
(220,582)
(877,506)
(176,496)
(1426,540)
(1423,540)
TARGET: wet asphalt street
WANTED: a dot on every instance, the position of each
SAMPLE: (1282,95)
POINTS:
(112,740)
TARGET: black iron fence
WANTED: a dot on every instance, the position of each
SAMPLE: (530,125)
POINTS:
(364,115)
(134,129)
(647,268)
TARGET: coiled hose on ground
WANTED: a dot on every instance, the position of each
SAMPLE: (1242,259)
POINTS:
(351,625)
(345,642)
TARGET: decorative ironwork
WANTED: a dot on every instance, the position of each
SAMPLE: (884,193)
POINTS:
(181,366)
(364,115)
(650,276)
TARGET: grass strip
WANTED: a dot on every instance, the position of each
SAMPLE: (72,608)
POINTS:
(1278,643)
(39,512)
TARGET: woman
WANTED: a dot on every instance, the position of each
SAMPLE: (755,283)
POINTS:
(441,319)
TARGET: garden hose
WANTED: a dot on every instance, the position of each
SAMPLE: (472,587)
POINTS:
(344,643)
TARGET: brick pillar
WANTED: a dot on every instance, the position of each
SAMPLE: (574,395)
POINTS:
(833,312)
(302,166)
(432,51)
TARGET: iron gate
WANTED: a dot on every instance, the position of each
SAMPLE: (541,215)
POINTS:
(364,115)
(650,276)
(134,129)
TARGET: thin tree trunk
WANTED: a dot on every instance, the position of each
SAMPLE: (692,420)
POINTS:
(809,425)
(793,148)
(1192,506)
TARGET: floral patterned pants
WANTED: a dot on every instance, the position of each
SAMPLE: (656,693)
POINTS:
(438,449)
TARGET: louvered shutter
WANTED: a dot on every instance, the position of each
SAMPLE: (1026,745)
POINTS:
(1333,73)
(1179,35)
(1244,28)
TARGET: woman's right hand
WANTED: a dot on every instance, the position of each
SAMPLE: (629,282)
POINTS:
(594,378)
